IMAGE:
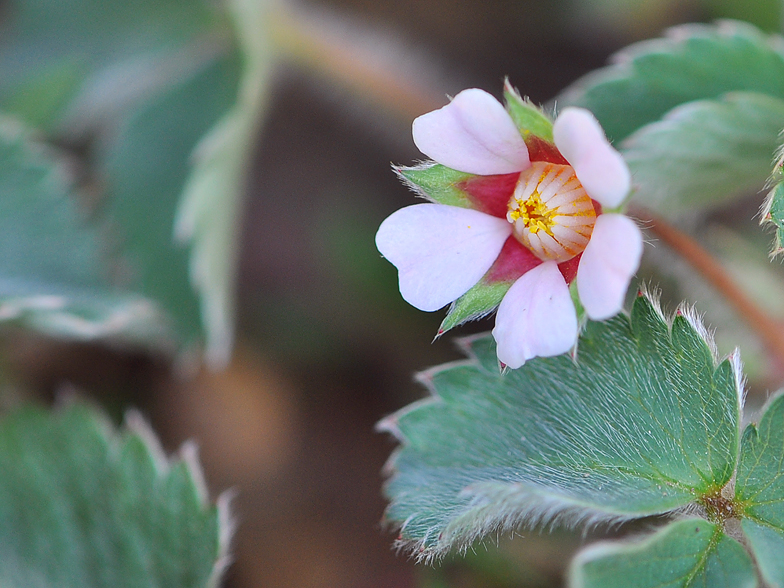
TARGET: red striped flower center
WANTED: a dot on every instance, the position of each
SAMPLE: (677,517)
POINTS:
(551,212)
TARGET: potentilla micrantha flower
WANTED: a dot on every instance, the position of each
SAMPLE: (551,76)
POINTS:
(525,215)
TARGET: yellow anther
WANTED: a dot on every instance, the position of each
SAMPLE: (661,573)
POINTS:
(551,212)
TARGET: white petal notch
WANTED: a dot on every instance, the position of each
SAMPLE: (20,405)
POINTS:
(536,318)
(472,134)
(608,264)
(440,251)
(600,168)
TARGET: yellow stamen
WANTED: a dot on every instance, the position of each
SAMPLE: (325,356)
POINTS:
(552,214)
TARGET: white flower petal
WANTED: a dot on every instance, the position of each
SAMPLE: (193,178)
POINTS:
(440,251)
(601,169)
(473,134)
(536,317)
(608,264)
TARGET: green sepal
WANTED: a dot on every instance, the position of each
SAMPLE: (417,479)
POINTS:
(773,209)
(684,554)
(528,117)
(482,299)
(437,183)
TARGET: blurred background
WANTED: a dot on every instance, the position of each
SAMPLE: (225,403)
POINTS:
(324,345)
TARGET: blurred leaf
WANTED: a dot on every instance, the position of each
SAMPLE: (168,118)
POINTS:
(54,53)
(52,273)
(684,554)
(759,489)
(765,14)
(704,153)
(643,422)
(145,173)
(692,62)
(208,216)
(83,507)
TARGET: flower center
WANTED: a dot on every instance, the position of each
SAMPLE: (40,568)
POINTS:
(551,212)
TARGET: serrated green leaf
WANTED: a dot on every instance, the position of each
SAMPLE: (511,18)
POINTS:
(759,489)
(145,174)
(437,183)
(642,423)
(529,119)
(53,272)
(692,62)
(704,153)
(686,554)
(84,507)
(208,215)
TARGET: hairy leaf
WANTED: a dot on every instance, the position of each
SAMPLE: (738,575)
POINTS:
(706,152)
(642,422)
(692,62)
(82,506)
(759,489)
(686,554)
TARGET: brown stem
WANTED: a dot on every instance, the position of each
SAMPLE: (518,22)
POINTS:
(311,45)
(766,328)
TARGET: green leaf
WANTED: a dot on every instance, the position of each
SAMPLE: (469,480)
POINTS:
(57,58)
(643,422)
(692,62)
(82,506)
(767,544)
(759,489)
(208,215)
(684,554)
(706,152)
(53,274)
(145,173)
(529,119)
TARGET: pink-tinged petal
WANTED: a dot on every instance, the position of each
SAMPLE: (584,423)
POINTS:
(440,251)
(473,134)
(608,264)
(536,318)
(601,169)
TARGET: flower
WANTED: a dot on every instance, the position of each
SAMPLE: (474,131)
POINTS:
(517,208)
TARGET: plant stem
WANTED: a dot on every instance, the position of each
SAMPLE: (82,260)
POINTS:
(350,61)
(766,327)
